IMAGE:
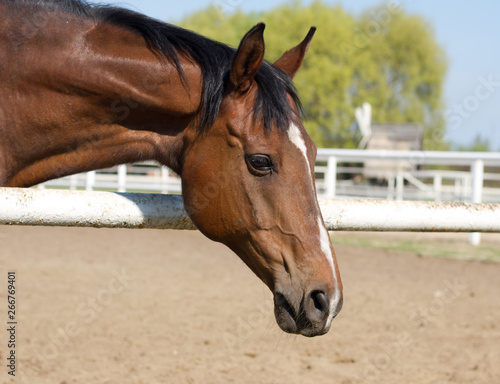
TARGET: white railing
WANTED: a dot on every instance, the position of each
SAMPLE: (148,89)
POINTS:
(141,177)
(467,186)
(140,210)
(408,183)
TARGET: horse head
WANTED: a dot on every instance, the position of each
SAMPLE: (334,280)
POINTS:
(248,182)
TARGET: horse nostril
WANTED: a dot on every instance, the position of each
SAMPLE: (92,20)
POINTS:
(320,301)
(317,307)
(285,313)
(281,302)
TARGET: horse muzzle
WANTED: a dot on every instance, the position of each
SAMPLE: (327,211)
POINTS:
(310,316)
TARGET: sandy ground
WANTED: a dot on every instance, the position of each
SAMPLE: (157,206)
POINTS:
(132,306)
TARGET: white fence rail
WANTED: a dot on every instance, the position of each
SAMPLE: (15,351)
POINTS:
(403,179)
(437,185)
(467,186)
(144,177)
(135,210)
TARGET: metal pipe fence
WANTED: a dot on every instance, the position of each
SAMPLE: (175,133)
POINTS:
(137,210)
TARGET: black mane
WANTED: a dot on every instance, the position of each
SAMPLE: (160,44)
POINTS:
(167,42)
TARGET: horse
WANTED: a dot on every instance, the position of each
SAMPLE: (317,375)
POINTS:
(85,87)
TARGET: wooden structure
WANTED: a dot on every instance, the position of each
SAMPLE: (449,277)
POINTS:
(392,137)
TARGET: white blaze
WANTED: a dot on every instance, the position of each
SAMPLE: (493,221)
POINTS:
(327,250)
(296,138)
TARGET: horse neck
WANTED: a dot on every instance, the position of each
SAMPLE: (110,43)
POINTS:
(103,100)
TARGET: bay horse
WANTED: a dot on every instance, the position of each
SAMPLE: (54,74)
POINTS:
(86,87)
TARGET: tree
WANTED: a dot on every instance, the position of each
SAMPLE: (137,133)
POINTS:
(385,57)
(478,145)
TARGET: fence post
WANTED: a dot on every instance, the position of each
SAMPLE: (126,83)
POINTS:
(331,177)
(400,184)
(391,186)
(466,187)
(90,182)
(477,179)
(73,182)
(164,179)
(458,189)
(122,177)
(438,183)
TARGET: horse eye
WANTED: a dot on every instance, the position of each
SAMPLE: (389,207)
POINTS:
(260,163)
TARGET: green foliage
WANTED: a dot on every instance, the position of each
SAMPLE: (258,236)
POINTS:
(385,57)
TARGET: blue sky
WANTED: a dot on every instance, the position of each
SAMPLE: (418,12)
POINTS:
(469,32)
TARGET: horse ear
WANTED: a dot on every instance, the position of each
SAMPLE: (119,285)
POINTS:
(248,59)
(291,60)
